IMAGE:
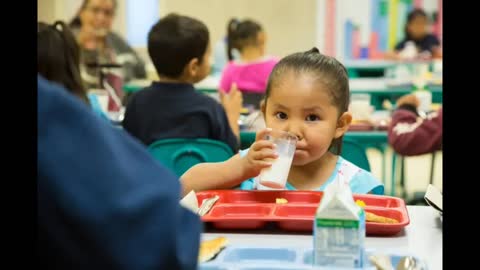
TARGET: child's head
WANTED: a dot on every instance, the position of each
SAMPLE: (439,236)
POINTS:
(244,34)
(308,94)
(179,48)
(58,57)
(417,24)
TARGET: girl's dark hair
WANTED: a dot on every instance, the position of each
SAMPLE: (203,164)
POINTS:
(76,22)
(241,34)
(328,70)
(58,57)
(410,17)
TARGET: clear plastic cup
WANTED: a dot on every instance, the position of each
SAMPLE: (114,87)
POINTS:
(276,176)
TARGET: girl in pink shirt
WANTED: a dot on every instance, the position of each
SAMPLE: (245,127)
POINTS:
(251,71)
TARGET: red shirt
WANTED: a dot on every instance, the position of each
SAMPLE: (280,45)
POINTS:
(410,135)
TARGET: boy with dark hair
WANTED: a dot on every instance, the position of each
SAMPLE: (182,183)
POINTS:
(179,47)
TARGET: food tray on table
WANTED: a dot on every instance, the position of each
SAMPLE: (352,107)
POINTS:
(361,127)
(378,125)
(283,258)
(238,209)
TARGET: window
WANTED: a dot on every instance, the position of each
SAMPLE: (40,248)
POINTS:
(141,16)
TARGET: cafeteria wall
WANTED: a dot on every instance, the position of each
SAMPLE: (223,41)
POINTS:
(51,10)
(290,25)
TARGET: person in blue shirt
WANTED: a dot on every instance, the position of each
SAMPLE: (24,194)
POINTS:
(102,201)
(307,95)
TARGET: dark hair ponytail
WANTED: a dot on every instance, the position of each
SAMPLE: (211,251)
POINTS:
(231,28)
(241,34)
(58,57)
(313,50)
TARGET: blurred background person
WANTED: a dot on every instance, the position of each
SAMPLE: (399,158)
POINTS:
(418,41)
(409,134)
(250,72)
(92,26)
(58,60)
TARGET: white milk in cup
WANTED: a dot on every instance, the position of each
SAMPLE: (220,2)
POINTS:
(275,177)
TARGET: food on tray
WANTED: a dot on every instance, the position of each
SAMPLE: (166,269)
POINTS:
(371,217)
(281,201)
(360,203)
(210,248)
(380,219)
(207,205)
(361,122)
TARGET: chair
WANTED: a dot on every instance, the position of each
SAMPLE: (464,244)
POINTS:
(181,154)
(396,158)
(355,153)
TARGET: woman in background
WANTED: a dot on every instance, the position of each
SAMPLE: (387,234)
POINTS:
(93,28)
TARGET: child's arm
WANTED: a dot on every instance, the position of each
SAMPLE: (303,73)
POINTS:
(219,175)
(410,137)
(230,173)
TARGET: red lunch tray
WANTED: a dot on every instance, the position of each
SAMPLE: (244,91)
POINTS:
(361,127)
(237,209)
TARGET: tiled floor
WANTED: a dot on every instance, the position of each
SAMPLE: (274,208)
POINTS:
(417,172)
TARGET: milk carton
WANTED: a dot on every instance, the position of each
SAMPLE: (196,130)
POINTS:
(339,228)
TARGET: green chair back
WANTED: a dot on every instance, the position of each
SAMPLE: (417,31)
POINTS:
(180,154)
(355,153)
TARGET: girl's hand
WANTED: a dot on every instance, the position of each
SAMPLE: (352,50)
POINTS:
(259,155)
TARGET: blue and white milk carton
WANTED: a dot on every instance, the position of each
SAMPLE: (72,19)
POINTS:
(339,228)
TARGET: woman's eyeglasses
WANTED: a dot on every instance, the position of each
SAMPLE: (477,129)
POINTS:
(97,10)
